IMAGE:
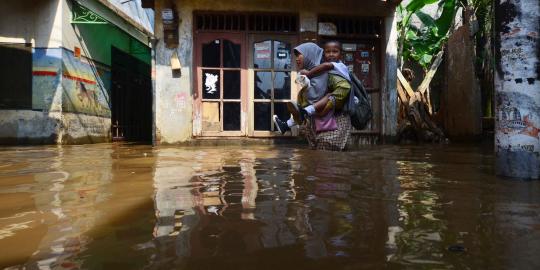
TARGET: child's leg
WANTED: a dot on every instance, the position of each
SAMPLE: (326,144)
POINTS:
(291,122)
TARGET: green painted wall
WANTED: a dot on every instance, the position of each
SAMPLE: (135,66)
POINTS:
(99,38)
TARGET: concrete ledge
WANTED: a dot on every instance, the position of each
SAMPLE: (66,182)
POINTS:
(29,127)
(239,141)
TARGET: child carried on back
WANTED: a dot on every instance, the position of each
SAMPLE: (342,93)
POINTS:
(322,94)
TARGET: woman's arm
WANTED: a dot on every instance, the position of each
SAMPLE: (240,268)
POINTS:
(340,89)
(321,104)
(324,67)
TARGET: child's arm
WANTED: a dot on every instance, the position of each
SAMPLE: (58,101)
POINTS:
(324,67)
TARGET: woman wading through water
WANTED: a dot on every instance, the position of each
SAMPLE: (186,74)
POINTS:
(319,105)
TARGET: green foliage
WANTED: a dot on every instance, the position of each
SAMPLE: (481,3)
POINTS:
(422,44)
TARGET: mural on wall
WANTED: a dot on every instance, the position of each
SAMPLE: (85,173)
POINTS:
(46,71)
(518,124)
(86,86)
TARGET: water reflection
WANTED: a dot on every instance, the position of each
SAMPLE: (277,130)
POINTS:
(131,207)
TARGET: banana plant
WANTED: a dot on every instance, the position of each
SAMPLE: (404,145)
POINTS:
(422,44)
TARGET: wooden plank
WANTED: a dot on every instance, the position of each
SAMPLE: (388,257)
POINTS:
(431,73)
(210,116)
(402,94)
(405,83)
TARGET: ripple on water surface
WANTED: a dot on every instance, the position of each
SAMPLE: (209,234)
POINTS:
(129,207)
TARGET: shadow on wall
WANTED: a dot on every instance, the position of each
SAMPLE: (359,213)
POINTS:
(30,20)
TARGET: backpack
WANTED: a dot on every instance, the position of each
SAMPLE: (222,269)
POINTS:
(360,109)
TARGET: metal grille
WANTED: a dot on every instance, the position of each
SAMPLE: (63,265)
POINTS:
(353,26)
(221,22)
(246,22)
(273,23)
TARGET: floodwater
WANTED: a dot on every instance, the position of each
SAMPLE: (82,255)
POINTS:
(114,206)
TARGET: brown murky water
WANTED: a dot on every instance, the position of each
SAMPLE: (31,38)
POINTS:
(264,207)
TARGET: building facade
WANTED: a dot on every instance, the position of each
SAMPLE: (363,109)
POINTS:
(237,67)
(207,69)
(71,71)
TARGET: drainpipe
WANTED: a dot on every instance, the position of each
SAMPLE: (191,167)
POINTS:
(517,88)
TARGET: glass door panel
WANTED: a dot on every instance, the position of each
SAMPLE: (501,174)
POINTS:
(271,62)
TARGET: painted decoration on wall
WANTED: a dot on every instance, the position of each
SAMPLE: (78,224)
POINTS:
(86,86)
(518,123)
(82,14)
(46,72)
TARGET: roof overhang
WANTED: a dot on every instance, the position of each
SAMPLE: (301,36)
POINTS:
(108,12)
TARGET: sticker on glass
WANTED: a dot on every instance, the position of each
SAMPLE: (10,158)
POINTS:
(263,50)
(210,82)
(365,68)
(349,47)
(282,55)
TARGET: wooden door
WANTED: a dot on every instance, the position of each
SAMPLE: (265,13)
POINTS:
(220,104)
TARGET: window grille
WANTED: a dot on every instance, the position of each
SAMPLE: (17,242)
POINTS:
(246,22)
(353,26)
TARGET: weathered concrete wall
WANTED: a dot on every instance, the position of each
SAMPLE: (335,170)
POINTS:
(29,21)
(517,88)
(174,96)
(80,129)
(36,127)
(29,127)
(463,110)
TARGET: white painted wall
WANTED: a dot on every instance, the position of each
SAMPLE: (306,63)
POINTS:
(29,21)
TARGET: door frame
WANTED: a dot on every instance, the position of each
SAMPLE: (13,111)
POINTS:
(256,37)
(199,39)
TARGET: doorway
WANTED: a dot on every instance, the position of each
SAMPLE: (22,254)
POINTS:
(16,76)
(131,98)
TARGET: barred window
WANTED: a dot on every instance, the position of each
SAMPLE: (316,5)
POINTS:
(353,26)
(252,22)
